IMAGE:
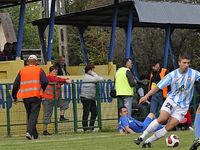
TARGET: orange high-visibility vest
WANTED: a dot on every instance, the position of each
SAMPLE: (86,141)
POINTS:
(30,85)
(49,94)
(162,74)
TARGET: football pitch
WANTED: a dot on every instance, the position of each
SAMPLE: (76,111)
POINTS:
(90,141)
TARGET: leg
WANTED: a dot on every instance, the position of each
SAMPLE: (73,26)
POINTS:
(86,109)
(63,104)
(93,110)
(47,113)
(196,142)
(35,109)
(160,133)
(156,103)
(128,103)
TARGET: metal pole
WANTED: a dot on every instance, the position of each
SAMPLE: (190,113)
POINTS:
(74,107)
(55,108)
(129,32)
(98,105)
(167,45)
(21,28)
(112,38)
(51,31)
(7,111)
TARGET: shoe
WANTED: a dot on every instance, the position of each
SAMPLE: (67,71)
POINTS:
(46,133)
(63,119)
(195,145)
(138,140)
(146,145)
(28,136)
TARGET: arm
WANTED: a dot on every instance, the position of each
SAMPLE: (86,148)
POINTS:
(150,93)
(129,130)
(43,80)
(131,80)
(16,86)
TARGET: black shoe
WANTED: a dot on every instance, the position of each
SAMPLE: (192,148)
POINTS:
(28,136)
(146,145)
(63,119)
(46,133)
(195,145)
(138,140)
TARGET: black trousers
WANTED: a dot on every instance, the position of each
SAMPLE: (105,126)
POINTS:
(32,106)
(89,105)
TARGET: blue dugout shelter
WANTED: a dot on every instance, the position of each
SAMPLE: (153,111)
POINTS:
(128,15)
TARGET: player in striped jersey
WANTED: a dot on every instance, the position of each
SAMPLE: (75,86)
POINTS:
(177,102)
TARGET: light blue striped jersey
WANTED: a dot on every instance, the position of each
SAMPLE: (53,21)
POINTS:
(182,86)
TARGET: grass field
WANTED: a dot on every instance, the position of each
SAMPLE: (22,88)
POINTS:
(90,141)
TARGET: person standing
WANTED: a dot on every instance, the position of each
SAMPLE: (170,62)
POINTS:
(48,98)
(157,98)
(29,85)
(88,97)
(62,71)
(177,102)
(124,84)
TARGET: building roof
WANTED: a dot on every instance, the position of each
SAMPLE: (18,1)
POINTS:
(10,3)
(145,14)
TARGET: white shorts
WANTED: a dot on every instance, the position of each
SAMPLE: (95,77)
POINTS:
(173,109)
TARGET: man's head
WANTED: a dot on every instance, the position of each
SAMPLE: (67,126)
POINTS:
(53,70)
(62,60)
(128,63)
(184,61)
(123,111)
(32,60)
(156,66)
(89,67)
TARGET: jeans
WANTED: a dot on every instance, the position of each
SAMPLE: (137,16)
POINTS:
(89,105)
(156,103)
(128,103)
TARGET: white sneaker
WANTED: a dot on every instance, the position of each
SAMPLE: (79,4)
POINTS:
(190,128)
(28,136)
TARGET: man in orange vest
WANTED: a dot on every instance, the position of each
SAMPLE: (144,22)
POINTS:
(48,98)
(157,98)
(29,85)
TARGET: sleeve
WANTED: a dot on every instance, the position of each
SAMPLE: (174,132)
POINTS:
(96,76)
(43,80)
(165,81)
(16,86)
(198,76)
(131,80)
(124,122)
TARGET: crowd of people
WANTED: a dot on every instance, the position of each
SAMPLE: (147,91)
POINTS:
(169,97)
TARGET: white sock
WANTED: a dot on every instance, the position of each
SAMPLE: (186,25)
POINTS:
(158,134)
(152,126)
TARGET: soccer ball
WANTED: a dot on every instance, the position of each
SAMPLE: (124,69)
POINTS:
(172,140)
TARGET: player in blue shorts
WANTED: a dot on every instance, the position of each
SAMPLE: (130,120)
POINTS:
(127,124)
(176,105)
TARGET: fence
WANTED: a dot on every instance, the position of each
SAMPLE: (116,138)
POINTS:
(13,117)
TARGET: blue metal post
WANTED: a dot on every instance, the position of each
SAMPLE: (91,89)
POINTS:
(128,33)
(134,69)
(112,38)
(84,50)
(21,28)
(51,31)
(167,45)
(41,29)
(172,54)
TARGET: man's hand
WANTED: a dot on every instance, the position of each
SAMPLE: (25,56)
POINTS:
(15,101)
(143,99)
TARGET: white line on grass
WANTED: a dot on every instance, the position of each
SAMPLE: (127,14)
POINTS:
(57,140)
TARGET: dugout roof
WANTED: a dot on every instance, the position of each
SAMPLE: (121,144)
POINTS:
(10,3)
(145,14)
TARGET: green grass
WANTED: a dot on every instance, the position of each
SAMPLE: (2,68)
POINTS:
(90,141)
